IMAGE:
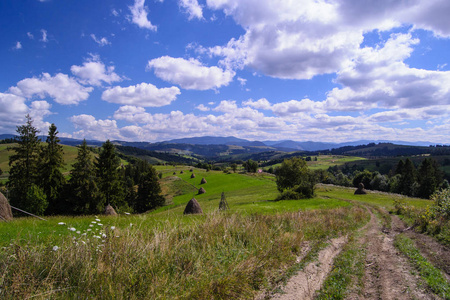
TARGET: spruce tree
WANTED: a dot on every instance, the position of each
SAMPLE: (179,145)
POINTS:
(23,176)
(109,182)
(149,192)
(51,179)
(429,178)
(82,183)
(408,178)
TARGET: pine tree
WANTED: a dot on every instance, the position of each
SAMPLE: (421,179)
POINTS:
(429,178)
(23,178)
(109,182)
(51,179)
(408,178)
(149,192)
(82,183)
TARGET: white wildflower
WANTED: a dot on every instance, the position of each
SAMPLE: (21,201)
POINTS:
(104,236)
(127,213)
(113,227)
(55,248)
(72,229)
(61,223)
(91,225)
(98,220)
(96,236)
(89,229)
(93,222)
(78,232)
(100,224)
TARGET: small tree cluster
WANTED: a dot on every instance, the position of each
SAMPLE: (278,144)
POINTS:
(295,180)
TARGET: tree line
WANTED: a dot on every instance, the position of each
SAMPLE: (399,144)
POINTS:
(37,185)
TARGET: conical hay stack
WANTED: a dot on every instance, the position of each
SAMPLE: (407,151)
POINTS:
(191,170)
(109,211)
(181,172)
(360,190)
(203,181)
(174,173)
(5,209)
(193,207)
(193,175)
(201,191)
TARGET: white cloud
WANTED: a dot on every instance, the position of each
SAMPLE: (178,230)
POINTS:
(101,41)
(18,46)
(94,72)
(139,14)
(378,78)
(144,94)
(38,111)
(30,35)
(44,36)
(91,128)
(62,88)
(242,81)
(262,103)
(12,112)
(190,74)
(192,8)
(114,12)
(202,107)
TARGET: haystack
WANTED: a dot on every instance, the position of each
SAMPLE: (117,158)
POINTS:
(360,190)
(201,191)
(193,207)
(181,172)
(191,170)
(109,211)
(174,173)
(5,209)
(203,181)
(192,175)
(223,204)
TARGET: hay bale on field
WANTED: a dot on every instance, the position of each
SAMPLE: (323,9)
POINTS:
(181,172)
(110,211)
(192,175)
(201,191)
(174,173)
(191,170)
(193,207)
(203,181)
(5,209)
(360,190)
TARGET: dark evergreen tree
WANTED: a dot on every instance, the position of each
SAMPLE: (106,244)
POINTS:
(84,195)
(109,182)
(429,178)
(51,179)
(23,175)
(250,166)
(408,178)
(149,192)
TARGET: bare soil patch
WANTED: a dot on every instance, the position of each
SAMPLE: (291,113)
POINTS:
(388,274)
(305,283)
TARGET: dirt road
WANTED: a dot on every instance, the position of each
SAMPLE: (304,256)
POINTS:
(388,274)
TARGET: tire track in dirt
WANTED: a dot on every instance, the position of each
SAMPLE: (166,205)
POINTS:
(388,274)
(305,283)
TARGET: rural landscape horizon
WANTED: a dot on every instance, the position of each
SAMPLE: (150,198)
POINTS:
(225,149)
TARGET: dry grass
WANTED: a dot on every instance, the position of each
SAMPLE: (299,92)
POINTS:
(216,256)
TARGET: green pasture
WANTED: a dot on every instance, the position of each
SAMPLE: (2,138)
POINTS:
(325,161)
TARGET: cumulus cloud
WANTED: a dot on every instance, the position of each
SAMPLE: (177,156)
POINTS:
(192,8)
(94,72)
(89,127)
(12,111)
(38,111)
(190,74)
(101,41)
(378,78)
(62,88)
(144,94)
(139,14)
(202,107)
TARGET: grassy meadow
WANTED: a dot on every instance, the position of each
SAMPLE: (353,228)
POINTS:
(166,255)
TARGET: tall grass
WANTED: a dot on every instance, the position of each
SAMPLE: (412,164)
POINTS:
(216,256)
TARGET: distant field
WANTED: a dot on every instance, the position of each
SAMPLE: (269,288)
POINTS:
(325,161)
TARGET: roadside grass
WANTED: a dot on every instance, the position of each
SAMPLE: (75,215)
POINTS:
(214,255)
(433,277)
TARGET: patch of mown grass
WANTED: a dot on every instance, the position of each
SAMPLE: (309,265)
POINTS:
(430,274)
(213,256)
(348,267)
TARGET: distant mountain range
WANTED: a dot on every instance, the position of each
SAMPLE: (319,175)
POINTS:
(284,145)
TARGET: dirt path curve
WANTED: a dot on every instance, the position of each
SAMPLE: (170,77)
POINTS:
(304,284)
(388,274)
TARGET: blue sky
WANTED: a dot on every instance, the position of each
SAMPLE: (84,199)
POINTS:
(154,70)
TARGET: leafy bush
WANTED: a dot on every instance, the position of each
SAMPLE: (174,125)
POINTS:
(441,205)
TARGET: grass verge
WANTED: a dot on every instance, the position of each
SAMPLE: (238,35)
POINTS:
(430,274)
